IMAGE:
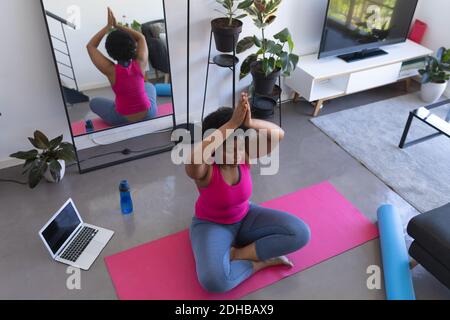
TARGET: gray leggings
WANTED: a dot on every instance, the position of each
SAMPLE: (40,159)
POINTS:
(275,234)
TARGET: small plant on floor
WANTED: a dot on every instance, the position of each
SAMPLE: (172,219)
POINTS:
(437,68)
(435,76)
(47,160)
(272,57)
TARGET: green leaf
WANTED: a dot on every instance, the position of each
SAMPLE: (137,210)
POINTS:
(242,16)
(283,36)
(55,170)
(246,65)
(269,20)
(245,4)
(274,48)
(291,44)
(425,78)
(245,44)
(29,155)
(56,142)
(34,143)
(41,140)
(294,59)
(66,153)
(440,54)
(37,173)
(257,42)
(28,165)
(284,58)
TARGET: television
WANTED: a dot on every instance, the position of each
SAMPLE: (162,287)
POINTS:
(356,29)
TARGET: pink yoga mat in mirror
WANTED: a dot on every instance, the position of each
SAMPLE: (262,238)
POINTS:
(165,269)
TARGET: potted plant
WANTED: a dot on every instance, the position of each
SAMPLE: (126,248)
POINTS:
(435,76)
(227,29)
(47,161)
(273,57)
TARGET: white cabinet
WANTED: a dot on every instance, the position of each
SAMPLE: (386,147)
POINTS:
(372,78)
(324,79)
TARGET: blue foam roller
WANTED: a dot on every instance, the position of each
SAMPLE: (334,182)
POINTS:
(397,273)
(163,89)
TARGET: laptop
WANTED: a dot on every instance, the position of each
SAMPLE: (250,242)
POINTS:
(71,241)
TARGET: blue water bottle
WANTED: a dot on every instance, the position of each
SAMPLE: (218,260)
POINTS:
(126,203)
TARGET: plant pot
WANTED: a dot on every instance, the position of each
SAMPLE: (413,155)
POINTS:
(432,92)
(226,36)
(263,84)
(48,176)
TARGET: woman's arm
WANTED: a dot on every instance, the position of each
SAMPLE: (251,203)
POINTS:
(103,64)
(142,47)
(273,132)
(204,151)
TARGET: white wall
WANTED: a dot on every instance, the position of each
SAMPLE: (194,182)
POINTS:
(436,13)
(30,97)
(93,17)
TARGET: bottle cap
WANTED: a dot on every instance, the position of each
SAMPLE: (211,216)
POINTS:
(124,186)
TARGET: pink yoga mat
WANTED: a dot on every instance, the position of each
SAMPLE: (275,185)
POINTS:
(165,269)
(79,128)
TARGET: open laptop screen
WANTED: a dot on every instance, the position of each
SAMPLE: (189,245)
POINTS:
(60,229)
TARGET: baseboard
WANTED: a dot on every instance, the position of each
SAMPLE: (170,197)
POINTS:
(8,163)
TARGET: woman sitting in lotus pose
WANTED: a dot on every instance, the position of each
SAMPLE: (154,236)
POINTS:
(232,238)
(135,98)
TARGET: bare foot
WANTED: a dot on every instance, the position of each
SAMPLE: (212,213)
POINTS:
(280,261)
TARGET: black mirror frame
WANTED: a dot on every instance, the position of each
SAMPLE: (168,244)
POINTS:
(164,149)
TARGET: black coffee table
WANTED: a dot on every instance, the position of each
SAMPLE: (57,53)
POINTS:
(426,115)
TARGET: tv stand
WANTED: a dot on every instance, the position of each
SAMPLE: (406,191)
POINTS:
(361,55)
(320,80)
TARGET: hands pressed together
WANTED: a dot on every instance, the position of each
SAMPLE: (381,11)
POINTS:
(112,21)
(242,114)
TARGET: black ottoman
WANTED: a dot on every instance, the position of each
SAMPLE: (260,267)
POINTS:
(431,248)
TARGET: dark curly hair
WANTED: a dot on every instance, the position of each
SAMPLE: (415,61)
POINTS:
(121,46)
(218,119)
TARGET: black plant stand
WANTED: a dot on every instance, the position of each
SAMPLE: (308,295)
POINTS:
(276,96)
(222,61)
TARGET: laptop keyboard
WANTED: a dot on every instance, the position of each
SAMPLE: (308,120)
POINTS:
(77,246)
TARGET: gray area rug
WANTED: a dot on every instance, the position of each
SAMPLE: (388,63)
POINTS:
(420,174)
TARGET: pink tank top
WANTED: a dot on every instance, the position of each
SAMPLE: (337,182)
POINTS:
(224,204)
(131,97)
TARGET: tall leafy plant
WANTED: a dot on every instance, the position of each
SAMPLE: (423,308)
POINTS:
(437,68)
(45,157)
(272,54)
(232,9)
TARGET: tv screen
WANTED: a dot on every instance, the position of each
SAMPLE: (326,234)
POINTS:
(355,25)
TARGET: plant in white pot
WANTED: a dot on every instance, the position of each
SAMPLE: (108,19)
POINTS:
(435,76)
(47,161)
(227,29)
(273,57)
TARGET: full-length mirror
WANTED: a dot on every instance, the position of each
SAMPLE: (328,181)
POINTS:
(113,62)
